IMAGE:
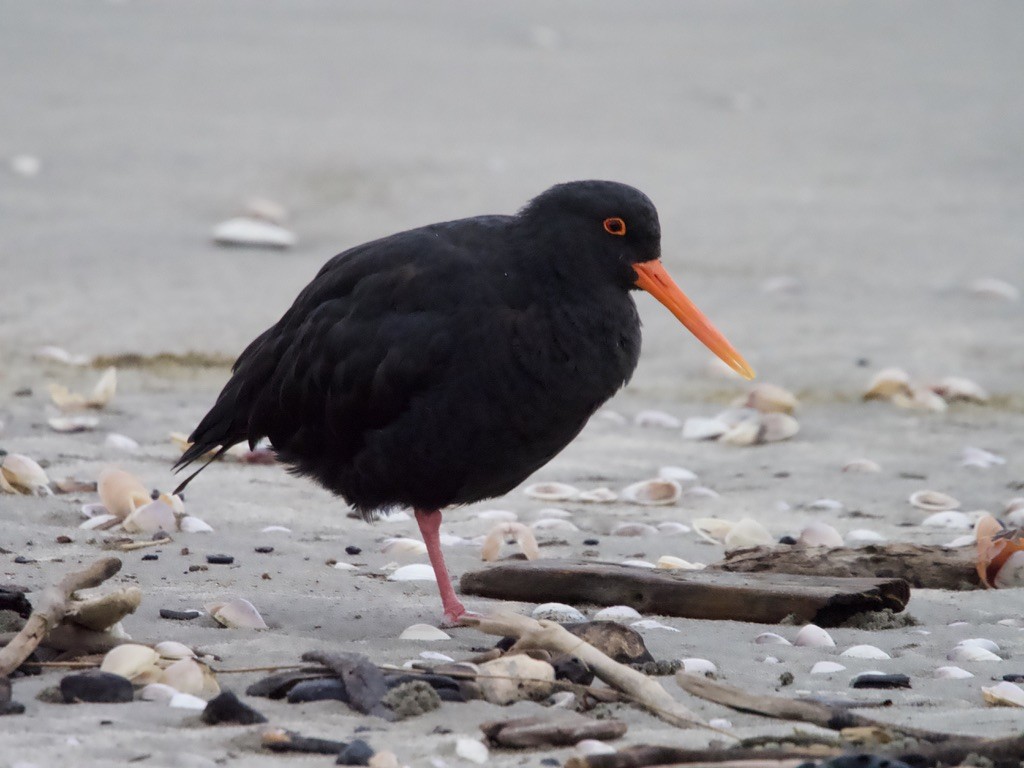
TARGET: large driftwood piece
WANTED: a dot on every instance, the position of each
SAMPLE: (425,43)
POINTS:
(761,598)
(926,567)
(644,755)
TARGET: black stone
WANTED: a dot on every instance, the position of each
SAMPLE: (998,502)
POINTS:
(220,559)
(97,687)
(352,549)
(318,690)
(12,599)
(296,742)
(22,560)
(870,680)
(787,540)
(151,557)
(170,613)
(550,761)
(864,760)
(276,686)
(572,669)
(1014,677)
(228,708)
(264,550)
(591,542)
(356,753)
(7,705)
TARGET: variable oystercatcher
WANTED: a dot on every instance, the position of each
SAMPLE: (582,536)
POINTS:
(445,364)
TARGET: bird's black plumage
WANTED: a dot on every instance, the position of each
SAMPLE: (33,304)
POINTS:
(443,365)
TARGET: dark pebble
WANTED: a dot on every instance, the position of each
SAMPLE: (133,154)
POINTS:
(228,708)
(296,742)
(318,690)
(550,761)
(169,613)
(195,567)
(572,669)
(7,705)
(151,557)
(276,686)
(351,549)
(64,539)
(591,542)
(22,560)
(863,760)
(98,687)
(869,680)
(1014,677)
(787,540)
(220,559)
(264,550)
(356,753)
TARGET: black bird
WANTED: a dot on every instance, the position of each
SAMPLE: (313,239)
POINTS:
(445,364)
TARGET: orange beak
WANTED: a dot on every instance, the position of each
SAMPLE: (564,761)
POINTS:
(652,277)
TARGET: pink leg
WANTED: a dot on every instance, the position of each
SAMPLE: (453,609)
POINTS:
(430,524)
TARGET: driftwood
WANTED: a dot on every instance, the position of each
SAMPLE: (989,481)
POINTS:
(645,755)
(557,731)
(761,598)
(549,636)
(926,567)
(50,611)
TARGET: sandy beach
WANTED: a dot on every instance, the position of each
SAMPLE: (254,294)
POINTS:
(831,180)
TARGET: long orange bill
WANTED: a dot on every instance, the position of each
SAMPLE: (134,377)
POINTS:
(652,277)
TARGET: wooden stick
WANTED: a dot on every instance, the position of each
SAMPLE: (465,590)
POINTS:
(548,635)
(51,609)
(644,755)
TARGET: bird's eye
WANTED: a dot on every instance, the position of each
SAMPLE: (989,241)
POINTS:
(615,226)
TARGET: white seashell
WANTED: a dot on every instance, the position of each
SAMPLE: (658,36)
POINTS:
(679,474)
(170,649)
(699,667)
(959,624)
(553,524)
(1004,694)
(826,505)
(158,692)
(712,529)
(826,668)
(1010,623)
(620,613)
(949,519)
(862,465)
(814,636)
(413,572)
(981,642)
(1015,504)
(245,231)
(980,459)
(473,750)
(515,678)
(744,433)
(341,565)
(150,518)
(1011,573)
(117,631)
(968,540)
(435,656)
(101,394)
(551,491)
(771,660)
(552,512)
(747,533)
(701,493)
(654,492)
(652,624)
(402,546)
(933,501)
(669,563)
(100,522)
(598,496)
(971,653)
(720,722)
(952,673)
(921,399)
(558,612)
(275,529)
(186,701)
(776,427)
(672,529)
(860,536)
(424,632)
(59,355)
(497,515)
(699,428)
(953,388)
(562,700)
(634,529)
(657,419)
(135,662)
(994,288)
(267,210)
(190,676)
(190,524)
(67,424)
(865,652)
(637,564)
(27,166)
(733,417)
(888,383)
(589,747)
(770,398)
(518,532)
(238,613)
(771,638)
(24,475)
(120,443)
(121,492)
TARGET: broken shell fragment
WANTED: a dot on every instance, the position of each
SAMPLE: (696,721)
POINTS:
(171,649)
(920,399)
(121,443)
(953,388)
(980,458)
(771,398)
(747,533)
(862,465)
(237,613)
(551,491)
(100,523)
(712,529)
(654,492)
(771,638)
(598,496)
(744,433)
(888,383)
(671,528)
(827,668)
(861,536)
(521,534)
(70,424)
(413,572)
(1004,694)
(121,492)
(670,563)
(245,231)
(699,667)
(952,673)
(138,663)
(190,524)
(776,427)
(619,613)
(403,546)
(423,632)
(933,501)
(101,394)
(24,475)
(60,355)
(150,518)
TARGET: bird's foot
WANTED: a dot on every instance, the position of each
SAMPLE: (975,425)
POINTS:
(454,614)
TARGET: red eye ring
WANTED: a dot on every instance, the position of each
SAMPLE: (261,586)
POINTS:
(615,226)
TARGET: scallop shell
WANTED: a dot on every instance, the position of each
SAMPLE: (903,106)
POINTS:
(171,649)
(712,529)
(827,668)
(814,636)
(862,465)
(423,632)
(953,388)
(888,383)
(634,529)
(413,572)
(865,652)
(558,612)
(138,663)
(402,546)
(552,491)
(933,501)
(101,394)
(250,232)
(952,673)
(619,613)
(598,496)
(190,676)
(771,398)
(699,667)
(24,475)
(150,518)
(190,524)
(670,563)
(1004,694)
(518,532)
(237,613)
(994,288)
(657,419)
(698,428)
(653,492)
(948,519)
(679,474)
(121,492)
(747,533)
(68,424)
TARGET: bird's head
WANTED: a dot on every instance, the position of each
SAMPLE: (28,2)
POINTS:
(615,226)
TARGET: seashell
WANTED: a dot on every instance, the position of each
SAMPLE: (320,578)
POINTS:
(980,458)
(553,524)
(814,636)
(776,427)
(250,232)
(637,564)
(669,563)
(423,632)
(865,652)
(699,667)
(933,501)
(827,668)
(341,565)
(771,660)
(558,612)
(862,465)
(634,529)
(920,399)
(1011,573)
(551,491)
(435,656)
(971,653)
(781,284)
(952,673)
(158,692)
(948,519)
(589,747)
(1014,505)
(721,723)
(238,613)
(672,528)
(598,496)
(186,701)
(657,419)
(121,492)
(275,529)
(562,700)
(735,416)
(654,492)
(100,523)
(861,536)
(771,398)
(953,388)
(679,474)
(1004,694)
(699,428)
(515,678)
(266,210)
(744,433)
(190,524)
(68,424)
(94,510)
(402,546)
(652,624)
(522,535)
(59,355)
(771,638)
(190,676)
(101,394)
(981,642)
(712,529)
(993,288)
(472,749)
(619,613)
(826,505)
(701,493)
(171,649)
(497,515)
(150,518)
(888,383)
(135,662)
(120,443)
(24,475)
(614,417)
(413,572)
(552,512)
(747,533)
